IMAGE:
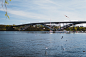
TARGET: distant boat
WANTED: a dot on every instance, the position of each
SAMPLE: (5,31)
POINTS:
(51,32)
(62,31)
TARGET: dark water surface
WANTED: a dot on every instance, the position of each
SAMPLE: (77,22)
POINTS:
(42,44)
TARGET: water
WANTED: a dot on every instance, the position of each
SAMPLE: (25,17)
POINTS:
(42,44)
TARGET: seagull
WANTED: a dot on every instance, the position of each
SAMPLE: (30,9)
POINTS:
(62,37)
(66,16)
(46,47)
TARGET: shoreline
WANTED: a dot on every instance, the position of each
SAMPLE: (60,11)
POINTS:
(58,31)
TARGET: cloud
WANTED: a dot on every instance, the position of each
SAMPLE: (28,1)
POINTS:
(44,10)
(27,14)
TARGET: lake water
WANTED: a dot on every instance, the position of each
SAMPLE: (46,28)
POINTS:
(42,44)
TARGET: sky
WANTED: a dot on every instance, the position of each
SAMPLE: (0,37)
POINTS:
(33,11)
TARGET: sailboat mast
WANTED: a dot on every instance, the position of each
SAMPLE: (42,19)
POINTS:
(50,24)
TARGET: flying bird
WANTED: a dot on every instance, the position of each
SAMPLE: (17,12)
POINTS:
(66,16)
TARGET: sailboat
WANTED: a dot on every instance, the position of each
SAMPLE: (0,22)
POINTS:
(51,32)
(64,31)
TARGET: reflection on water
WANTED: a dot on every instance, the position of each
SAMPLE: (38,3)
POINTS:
(42,44)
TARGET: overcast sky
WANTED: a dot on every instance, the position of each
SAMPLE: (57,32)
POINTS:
(30,11)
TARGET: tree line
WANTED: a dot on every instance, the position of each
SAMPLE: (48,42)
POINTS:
(38,28)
